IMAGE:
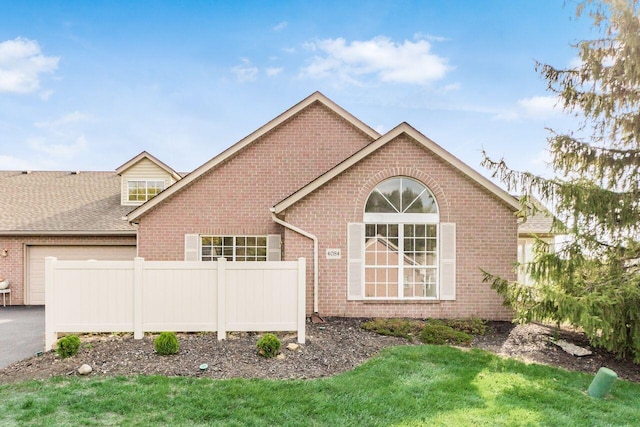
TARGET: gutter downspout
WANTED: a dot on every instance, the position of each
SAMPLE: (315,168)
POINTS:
(315,253)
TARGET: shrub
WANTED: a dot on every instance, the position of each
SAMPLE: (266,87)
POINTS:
(166,343)
(68,346)
(472,325)
(394,327)
(268,346)
(437,332)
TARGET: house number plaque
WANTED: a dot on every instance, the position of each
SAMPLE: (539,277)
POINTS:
(333,254)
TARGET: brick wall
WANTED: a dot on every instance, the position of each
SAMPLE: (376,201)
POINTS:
(13,265)
(235,197)
(486,234)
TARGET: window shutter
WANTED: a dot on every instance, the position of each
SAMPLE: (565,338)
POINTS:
(192,247)
(273,247)
(355,265)
(447,261)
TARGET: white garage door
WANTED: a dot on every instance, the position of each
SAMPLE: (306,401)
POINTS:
(35,275)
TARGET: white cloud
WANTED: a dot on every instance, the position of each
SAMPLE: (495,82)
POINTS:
(536,107)
(21,64)
(14,163)
(245,72)
(451,88)
(64,151)
(430,37)
(389,62)
(67,119)
(539,106)
(45,94)
(507,116)
(273,71)
(281,26)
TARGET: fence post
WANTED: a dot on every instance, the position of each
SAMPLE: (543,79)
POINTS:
(138,294)
(302,299)
(51,333)
(222,298)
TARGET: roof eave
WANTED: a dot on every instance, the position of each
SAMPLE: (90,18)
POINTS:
(68,233)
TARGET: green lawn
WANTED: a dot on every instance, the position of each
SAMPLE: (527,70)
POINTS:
(404,386)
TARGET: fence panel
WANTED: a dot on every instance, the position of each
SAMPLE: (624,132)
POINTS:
(264,297)
(93,296)
(182,296)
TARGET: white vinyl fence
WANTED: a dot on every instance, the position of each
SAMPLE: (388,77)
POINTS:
(183,296)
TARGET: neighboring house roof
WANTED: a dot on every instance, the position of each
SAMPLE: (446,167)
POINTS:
(40,203)
(540,223)
(249,139)
(427,143)
(144,155)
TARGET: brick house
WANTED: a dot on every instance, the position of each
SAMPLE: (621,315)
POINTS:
(319,183)
(391,225)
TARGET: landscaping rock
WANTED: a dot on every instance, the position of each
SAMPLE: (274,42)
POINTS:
(572,349)
(292,346)
(280,356)
(85,369)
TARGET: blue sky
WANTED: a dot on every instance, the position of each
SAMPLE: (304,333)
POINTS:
(87,85)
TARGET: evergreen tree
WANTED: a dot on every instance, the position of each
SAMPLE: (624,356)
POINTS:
(593,281)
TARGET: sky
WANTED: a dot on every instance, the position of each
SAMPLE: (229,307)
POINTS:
(88,85)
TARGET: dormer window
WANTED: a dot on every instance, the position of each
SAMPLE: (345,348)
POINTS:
(141,191)
(144,177)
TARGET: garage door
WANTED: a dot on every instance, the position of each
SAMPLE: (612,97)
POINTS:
(36,254)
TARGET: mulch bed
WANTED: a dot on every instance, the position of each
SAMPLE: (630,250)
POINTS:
(331,348)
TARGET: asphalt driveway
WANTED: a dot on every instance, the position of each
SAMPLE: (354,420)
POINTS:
(21,333)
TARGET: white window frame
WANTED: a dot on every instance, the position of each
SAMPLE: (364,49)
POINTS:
(234,247)
(146,182)
(401,264)
(401,219)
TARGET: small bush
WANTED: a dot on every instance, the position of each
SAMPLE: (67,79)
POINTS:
(394,327)
(68,346)
(268,346)
(472,325)
(166,343)
(437,332)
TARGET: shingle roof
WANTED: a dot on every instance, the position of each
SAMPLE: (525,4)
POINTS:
(540,222)
(57,202)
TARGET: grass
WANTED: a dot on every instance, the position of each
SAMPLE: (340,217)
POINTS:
(403,386)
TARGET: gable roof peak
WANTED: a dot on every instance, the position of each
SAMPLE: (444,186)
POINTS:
(251,138)
(424,141)
(145,155)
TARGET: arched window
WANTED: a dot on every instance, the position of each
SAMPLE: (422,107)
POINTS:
(401,241)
